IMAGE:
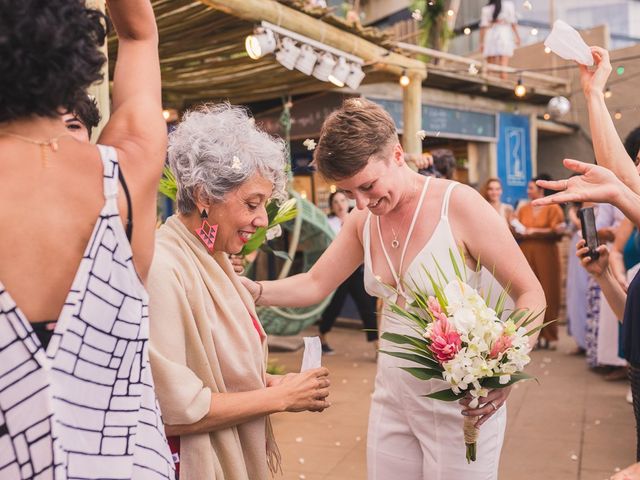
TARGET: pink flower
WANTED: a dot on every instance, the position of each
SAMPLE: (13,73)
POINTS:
(445,341)
(434,306)
(501,345)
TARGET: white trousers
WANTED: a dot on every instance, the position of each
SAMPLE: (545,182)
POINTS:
(412,438)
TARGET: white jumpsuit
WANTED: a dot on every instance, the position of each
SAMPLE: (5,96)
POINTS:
(411,437)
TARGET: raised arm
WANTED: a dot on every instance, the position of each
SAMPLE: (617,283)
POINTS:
(594,184)
(609,150)
(335,265)
(136,117)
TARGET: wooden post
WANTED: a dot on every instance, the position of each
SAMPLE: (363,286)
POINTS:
(274,12)
(412,114)
(100,91)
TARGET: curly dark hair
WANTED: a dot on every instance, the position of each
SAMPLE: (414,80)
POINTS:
(48,55)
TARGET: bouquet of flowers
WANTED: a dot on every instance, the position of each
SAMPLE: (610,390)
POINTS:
(277,214)
(462,340)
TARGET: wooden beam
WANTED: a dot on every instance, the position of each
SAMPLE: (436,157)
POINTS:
(412,115)
(291,19)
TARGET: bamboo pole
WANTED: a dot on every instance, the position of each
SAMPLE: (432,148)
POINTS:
(412,115)
(291,19)
(100,90)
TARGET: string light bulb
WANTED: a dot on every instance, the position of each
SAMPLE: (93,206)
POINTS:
(608,93)
(467,31)
(546,116)
(404,79)
(534,32)
(450,13)
(617,115)
(547,50)
(520,89)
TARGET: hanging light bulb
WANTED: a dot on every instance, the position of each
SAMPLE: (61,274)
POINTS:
(355,77)
(546,116)
(288,53)
(260,44)
(404,79)
(617,115)
(547,50)
(467,31)
(520,89)
(534,32)
(450,13)
(608,93)
(340,73)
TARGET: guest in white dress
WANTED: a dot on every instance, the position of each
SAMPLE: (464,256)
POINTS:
(499,32)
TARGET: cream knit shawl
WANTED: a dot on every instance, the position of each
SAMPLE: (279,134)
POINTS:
(203,341)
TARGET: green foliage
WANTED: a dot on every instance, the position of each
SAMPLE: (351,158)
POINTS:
(168,185)
(434,30)
(446,395)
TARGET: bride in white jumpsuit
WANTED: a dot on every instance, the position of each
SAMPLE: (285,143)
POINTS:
(403,214)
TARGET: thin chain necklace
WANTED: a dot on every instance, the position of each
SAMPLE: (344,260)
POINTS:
(395,243)
(44,145)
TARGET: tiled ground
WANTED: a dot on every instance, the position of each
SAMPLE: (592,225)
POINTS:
(571,426)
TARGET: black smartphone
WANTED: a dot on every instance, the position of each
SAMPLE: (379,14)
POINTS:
(589,231)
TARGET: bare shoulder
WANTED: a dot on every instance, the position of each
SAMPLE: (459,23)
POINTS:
(355,222)
(468,210)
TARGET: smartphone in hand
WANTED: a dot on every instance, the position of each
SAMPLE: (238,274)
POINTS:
(589,231)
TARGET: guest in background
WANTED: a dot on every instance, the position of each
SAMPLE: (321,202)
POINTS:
(444,162)
(577,286)
(543,227)
(82,119)
(208,350)
(354,285)
(492,193)
(498,32)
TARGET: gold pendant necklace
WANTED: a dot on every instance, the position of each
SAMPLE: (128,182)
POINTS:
(395,243)
(44,145)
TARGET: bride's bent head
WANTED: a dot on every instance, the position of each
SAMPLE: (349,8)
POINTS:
(359,151)
(226,171)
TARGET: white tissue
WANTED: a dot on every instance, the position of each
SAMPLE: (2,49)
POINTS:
(312,357)
(566,42)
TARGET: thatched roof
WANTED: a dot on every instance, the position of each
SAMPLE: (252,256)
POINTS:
(203,57)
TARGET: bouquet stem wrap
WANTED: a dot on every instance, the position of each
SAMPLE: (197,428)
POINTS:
(471,434)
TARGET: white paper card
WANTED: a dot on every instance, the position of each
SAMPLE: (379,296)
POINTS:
(566,42)
(312,357)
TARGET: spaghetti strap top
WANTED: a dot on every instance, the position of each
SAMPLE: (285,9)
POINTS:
(437,247)
(84,407)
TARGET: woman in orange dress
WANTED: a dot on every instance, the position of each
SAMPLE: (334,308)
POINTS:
(544,226)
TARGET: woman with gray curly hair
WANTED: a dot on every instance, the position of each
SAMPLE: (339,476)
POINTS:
(208,349)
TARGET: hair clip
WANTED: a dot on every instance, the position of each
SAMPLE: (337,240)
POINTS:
(236,165)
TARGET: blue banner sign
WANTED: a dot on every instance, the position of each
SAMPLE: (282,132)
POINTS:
(514,156)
